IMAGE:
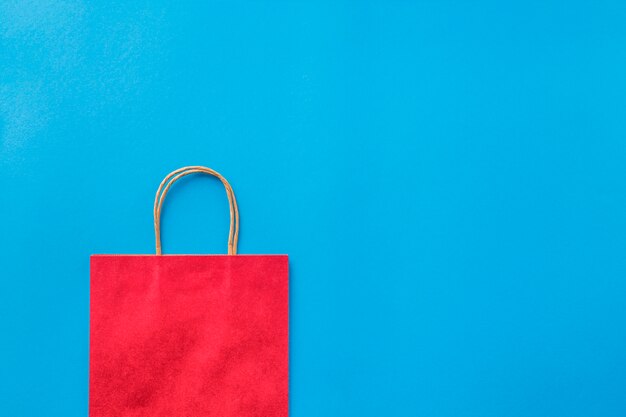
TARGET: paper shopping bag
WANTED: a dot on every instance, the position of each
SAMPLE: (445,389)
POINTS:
(189,335)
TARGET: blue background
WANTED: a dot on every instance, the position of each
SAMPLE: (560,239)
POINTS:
(447,178)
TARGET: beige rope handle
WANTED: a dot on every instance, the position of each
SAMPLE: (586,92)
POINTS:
(171,178)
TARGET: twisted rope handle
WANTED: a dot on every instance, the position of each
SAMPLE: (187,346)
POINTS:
(171,178)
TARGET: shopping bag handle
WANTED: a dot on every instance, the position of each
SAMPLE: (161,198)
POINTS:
(171,178)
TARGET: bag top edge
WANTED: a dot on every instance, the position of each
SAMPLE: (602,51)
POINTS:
(183,254)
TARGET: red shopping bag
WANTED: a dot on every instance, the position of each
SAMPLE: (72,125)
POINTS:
(189,335)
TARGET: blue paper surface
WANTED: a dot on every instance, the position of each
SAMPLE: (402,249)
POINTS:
(447,177)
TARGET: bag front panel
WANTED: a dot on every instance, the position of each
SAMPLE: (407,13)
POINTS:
(186,335)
